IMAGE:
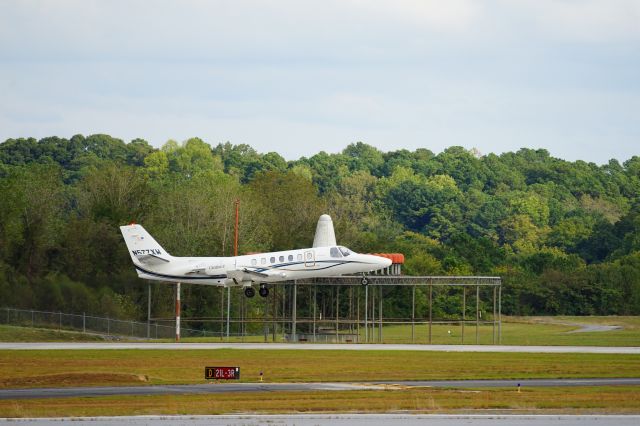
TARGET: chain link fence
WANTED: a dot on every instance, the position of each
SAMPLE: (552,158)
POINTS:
(109,327)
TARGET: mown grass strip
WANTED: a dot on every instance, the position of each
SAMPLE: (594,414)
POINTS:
(610,400)
(120,367)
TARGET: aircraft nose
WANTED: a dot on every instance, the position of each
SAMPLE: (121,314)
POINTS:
(384,262)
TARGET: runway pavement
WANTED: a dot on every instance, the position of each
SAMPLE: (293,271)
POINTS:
(212,388)
(318,347)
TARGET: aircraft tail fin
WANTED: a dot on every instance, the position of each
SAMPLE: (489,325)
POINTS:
(325,235)
(143,248)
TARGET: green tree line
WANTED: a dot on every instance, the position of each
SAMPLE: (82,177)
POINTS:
(565,236)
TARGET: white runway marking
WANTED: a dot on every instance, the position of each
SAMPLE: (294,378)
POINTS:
(634,350)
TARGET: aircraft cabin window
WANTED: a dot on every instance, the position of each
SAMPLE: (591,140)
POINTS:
(299,256)
(263,260)
(254,262)
(290,258)
(345,251)
(334,252)
(281,259)
(272,260)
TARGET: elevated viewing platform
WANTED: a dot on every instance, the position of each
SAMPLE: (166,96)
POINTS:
(405,280)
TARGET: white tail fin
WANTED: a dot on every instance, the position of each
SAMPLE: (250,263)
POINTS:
(325,235)
(142,247)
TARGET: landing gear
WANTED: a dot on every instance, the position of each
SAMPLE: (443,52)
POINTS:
(364,280)
(249,292)
(264,291)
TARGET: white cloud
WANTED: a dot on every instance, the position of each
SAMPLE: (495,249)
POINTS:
(581,20)
(431,73)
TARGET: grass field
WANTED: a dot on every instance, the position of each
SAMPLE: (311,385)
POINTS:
(515,331)
(556,331)
(526,331)
(60,368)
(9,333)
(95,367)
(609,400)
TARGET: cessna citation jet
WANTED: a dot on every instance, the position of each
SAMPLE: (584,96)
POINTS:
(325,259)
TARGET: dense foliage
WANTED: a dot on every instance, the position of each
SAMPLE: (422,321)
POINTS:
(565,236)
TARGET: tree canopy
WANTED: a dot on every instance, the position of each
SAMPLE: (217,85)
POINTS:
(565,236)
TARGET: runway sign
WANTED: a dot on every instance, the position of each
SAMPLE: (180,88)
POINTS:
(222,373)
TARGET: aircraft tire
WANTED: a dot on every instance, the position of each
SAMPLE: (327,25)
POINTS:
(264,291)
(249,292)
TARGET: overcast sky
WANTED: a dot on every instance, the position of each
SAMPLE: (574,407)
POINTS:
(298,77)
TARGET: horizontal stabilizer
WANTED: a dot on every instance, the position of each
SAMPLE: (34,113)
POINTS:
(151,259)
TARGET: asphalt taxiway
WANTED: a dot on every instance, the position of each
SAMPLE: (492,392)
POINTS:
(630,350)
(214,388)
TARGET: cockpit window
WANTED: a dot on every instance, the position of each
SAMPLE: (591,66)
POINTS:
(345,251)
(334,252)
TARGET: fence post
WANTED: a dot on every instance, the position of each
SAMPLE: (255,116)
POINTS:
(84,322)
(32,322)
(108,327)
(149,310)
(60,323)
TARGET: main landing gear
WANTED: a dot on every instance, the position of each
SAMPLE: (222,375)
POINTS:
(264,291)
(250,291)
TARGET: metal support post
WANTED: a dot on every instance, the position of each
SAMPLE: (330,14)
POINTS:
(373,314)
(228,310)
(242,308)
(380,315)
(413,315)
(500,315)
(358,315)
(294,318)
(274,315)
(264,320)
(477,313)
(337,315)
(148,310)
(366,313)
(464,309)
(493,334)
(430,310)
(221,312)
(315,302)
(84,322)
(177,312)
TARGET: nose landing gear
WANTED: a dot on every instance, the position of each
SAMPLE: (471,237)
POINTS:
(364,280)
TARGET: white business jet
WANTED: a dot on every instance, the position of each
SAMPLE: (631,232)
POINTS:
(324,259)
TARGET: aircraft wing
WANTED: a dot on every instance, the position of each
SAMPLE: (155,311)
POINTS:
(246,274)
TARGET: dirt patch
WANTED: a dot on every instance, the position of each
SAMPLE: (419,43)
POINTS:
(73,379)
